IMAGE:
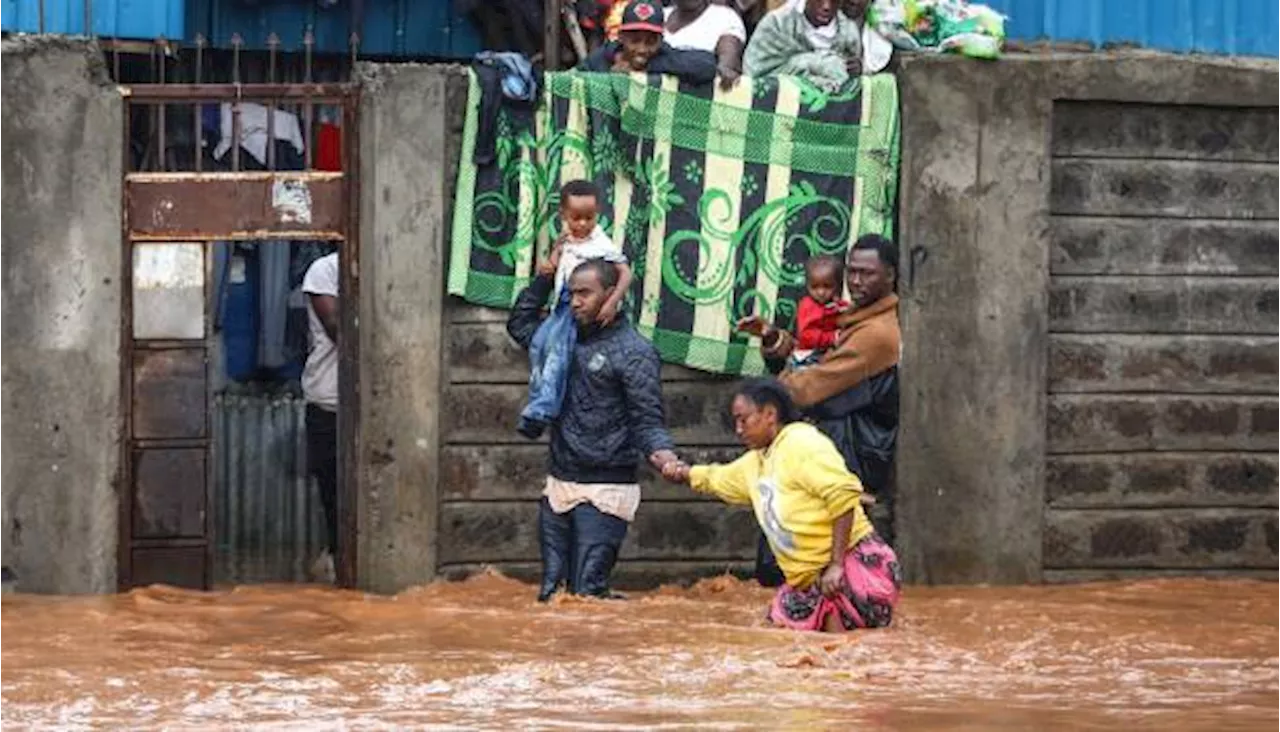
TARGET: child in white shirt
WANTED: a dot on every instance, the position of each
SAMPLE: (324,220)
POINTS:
(581,239)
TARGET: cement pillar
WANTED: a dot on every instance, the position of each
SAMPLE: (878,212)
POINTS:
(62,127)
(973,281)
(404,164)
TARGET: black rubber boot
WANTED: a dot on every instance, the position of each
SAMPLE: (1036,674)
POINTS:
(597,539)
(555,538)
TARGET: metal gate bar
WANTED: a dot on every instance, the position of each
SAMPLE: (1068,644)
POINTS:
(166,507)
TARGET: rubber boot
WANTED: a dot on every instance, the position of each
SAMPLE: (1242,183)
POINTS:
(555,538)
(597,539)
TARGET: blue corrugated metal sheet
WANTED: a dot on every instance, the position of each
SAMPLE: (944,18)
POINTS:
(1240,27)
(111,18)
(419,28)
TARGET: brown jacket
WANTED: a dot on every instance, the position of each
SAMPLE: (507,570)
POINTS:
(869,343)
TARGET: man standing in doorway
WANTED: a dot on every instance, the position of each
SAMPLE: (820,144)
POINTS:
(610,419)
(320,388)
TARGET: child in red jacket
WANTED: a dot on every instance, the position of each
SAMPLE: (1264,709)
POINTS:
(816,326)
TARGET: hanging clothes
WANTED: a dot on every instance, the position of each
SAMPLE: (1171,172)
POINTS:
(253,130)
(273,303)
(328,147)
(507,81)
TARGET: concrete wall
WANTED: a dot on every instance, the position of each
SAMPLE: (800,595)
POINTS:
(404,205)
(1089,311)
(440,377)
(1089,314)
(61,126)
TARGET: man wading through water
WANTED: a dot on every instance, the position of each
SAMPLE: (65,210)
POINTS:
(611,416)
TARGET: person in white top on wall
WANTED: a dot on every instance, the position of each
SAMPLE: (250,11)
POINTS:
(700,25)
(876,49)
(320,389)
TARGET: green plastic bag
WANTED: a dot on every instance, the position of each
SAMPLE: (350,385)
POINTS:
(976,31)
(954,26)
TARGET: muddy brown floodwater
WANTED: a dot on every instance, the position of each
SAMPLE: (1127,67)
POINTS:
(1157,655)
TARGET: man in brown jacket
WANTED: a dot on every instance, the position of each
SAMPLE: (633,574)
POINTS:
(852,393)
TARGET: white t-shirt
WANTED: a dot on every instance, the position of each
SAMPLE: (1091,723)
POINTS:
(704,33)
(596,246)
(320,375)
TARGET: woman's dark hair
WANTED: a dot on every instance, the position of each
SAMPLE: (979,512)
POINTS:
(763,392)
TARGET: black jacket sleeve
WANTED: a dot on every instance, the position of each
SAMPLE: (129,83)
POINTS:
(526,314)
(642,388)
(600,59)
(695,67)
(876,391)
(846,402)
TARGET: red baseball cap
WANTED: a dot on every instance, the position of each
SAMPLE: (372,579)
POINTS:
(642,15)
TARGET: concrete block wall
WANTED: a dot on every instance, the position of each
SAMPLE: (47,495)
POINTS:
(1090,317)
(1162,367)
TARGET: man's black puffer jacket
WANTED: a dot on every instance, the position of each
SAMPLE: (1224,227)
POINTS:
(612,415)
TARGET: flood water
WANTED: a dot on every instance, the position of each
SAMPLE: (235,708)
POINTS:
(1151,655)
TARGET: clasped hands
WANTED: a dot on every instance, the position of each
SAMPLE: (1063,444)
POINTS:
(673,469)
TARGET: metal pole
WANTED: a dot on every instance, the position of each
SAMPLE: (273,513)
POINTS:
(551,35)
(162,45)
(273,44)
(198,117)
(236,42)
(308,117)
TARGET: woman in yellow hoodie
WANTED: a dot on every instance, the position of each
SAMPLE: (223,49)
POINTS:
(839,574)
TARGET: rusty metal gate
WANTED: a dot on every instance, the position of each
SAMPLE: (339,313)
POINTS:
(179,199)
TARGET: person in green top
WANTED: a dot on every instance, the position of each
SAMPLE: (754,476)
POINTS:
(813,39)
(840,574)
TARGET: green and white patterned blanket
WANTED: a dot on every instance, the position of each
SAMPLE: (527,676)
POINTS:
(717,197)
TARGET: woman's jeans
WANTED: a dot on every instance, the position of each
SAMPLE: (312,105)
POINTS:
(550,354)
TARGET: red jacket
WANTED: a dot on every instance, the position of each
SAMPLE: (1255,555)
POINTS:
(816,326)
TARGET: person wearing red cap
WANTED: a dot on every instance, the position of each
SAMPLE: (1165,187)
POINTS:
(640,48)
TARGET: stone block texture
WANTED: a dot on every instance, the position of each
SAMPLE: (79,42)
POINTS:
(1161,424)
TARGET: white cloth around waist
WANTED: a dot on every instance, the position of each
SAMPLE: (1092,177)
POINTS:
(616,499)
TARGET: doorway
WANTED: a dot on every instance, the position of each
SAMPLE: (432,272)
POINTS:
(211,493)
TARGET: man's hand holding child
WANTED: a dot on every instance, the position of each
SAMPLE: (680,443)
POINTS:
(548,267)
